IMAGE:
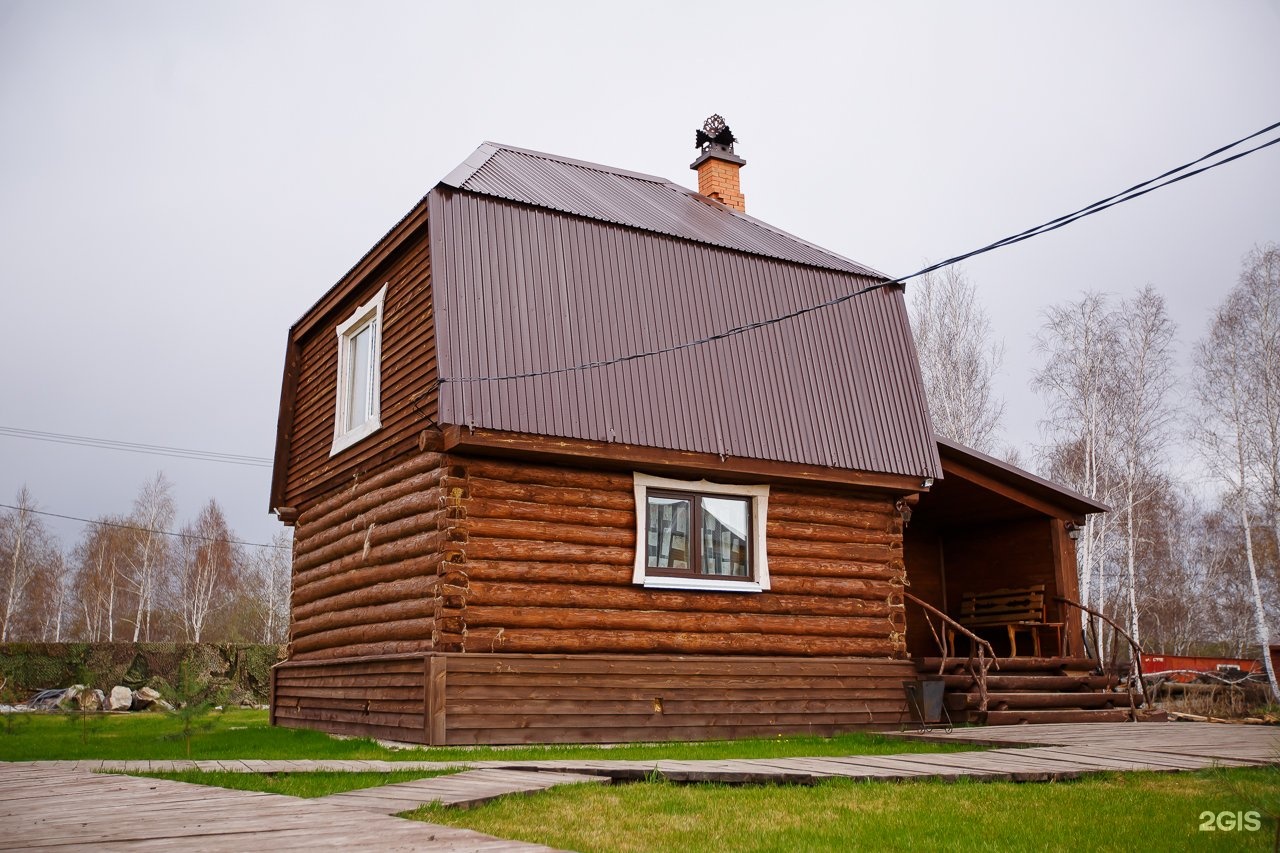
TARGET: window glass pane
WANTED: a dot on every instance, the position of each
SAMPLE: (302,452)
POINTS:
(359,361)
(724,536)
(668,532)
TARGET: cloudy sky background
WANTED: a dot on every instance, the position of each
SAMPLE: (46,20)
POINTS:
(180,181)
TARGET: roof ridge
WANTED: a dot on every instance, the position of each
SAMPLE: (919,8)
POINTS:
(473,164)
(470,176)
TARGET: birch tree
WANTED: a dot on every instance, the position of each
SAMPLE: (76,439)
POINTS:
(1109,379)
(1077,341)
(22,537)
(271,573)
(1238,431)
(1142,371)
(207,571)
(49,597)
(153,512)
(958,358)
(99,559)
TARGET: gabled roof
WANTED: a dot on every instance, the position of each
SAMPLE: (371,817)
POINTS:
(1030,484)
(634,200)
(541,263)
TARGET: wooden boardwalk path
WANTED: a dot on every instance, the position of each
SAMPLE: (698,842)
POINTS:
(464,790)
(1062,751)
(63,808)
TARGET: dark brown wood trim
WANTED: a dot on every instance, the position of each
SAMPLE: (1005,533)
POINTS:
(284,424)
(271,699)
(376,257)
(950,467)
(1065,577)
(687,464)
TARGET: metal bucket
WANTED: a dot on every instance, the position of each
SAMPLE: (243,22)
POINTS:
(924,698)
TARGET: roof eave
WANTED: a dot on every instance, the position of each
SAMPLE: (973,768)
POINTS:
(1068,498)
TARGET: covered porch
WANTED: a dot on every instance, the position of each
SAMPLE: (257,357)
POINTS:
(991,546)
(988,527)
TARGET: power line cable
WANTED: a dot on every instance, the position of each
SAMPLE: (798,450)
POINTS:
(106,523)
(135,447)
(1136,191)
(1102,204)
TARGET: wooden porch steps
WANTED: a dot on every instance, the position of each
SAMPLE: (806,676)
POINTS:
(1024,682)
(1030,701)
(1042,664)
(1030,690)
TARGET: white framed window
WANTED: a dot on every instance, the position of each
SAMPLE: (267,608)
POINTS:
(700,535)
(359,406)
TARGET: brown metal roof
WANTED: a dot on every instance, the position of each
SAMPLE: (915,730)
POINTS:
(552,282)
(632,199)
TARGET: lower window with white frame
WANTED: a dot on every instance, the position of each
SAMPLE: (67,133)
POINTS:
(700,535)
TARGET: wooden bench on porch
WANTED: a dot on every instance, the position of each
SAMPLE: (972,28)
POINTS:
(1016,610)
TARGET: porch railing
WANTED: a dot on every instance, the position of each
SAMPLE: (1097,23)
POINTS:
(1135,652)
(986,655)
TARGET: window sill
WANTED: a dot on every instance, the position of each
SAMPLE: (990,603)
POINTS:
(703,584)
(360,433)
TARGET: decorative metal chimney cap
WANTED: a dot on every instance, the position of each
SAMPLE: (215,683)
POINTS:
(715,139)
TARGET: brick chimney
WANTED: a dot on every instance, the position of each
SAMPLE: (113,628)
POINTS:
(717,166)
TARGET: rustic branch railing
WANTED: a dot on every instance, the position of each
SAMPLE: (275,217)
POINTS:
(1135,650)
(975,642)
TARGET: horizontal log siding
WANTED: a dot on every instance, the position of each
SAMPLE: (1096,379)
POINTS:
(506,698)
(515,698)
(409,368)
(371,697)
(370,564)
(548,558)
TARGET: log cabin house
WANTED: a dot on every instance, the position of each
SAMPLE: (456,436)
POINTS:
(524,512)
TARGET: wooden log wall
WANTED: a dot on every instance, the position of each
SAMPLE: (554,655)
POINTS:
(546,563)
(372,565)
(519,698)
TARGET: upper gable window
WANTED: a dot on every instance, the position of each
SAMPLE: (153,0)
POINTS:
(700,535)
(359,408)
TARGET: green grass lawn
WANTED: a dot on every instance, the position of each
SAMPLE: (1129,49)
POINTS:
(1122,812)
(319,784)
(246,734)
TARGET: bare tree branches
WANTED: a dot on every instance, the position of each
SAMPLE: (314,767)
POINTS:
(268,583)
(1237,387)
(26,549)
(207,571)
(121,582)
(958,358)
(1109,380)
(1077,341)
(152,510)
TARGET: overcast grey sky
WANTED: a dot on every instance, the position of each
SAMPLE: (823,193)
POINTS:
(180,181)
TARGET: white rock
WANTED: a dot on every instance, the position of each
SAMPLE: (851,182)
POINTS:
(120,699)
